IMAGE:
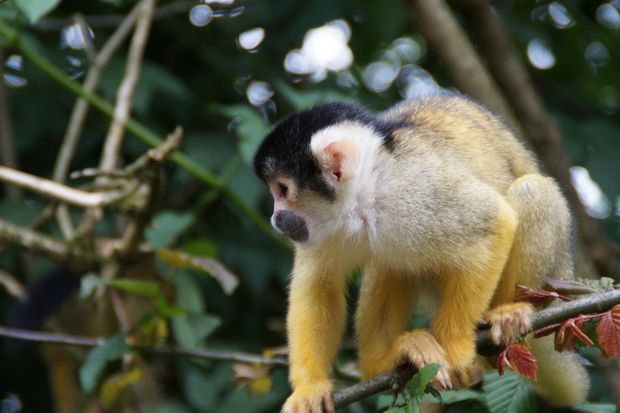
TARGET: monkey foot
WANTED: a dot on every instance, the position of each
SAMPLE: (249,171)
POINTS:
(420,349)
(311,398)
(509,322)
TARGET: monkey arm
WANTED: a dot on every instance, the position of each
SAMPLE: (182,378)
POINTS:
(316,320)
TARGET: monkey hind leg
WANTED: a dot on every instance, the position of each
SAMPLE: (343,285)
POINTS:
(541,249)
(542,245)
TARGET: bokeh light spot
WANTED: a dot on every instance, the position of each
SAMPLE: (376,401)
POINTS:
(540,54)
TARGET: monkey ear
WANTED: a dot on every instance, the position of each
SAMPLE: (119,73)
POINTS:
(339,159)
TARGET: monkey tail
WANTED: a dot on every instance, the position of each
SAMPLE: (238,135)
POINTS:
(562,379)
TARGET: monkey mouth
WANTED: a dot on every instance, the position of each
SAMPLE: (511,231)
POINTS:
(298,233)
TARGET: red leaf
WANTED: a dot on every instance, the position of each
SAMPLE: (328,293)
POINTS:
(502,360)
(608,332)
(570,330)
(538,298)
(518,358)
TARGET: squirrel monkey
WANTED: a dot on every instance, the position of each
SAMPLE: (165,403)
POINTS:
(435,192)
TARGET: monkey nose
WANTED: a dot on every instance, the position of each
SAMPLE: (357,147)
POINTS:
(291,225)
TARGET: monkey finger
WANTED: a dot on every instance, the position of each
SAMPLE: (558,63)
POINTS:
(328,405)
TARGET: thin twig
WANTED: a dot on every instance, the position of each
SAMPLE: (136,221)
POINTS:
(37,243)
(12,285)
(124,98)
(80,341)
(8,156)
(80,111)
(91,51)
(110,21)
(114,139)
(135,230)
(58,191)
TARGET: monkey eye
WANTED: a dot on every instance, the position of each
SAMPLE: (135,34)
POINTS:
(282,190)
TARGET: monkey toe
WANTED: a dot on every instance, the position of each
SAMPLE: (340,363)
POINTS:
(509,322)
(420,349)
(465,376)
(311,398)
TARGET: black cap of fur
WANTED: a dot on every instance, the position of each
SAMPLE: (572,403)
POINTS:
(286,150)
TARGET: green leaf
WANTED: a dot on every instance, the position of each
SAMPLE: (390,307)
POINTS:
(509,393)
(250,130)
(597,407)
(166,310)
(167,226)
(417,385)
(216,269)
(192,329)
(35,9)
(148,289)
(189,297)
(454,396)
(98,358)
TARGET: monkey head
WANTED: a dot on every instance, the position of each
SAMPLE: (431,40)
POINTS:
(315,163)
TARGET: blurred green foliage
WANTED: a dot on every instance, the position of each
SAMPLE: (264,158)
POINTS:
(201,78)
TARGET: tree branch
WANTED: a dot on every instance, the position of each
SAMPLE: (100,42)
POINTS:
(8,155)
(73,257)
(124,98)
(80,111)
(589,304)
(81,341)
(592,303)
(58,191)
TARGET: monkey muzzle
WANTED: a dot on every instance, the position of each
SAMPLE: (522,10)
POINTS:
(291,225)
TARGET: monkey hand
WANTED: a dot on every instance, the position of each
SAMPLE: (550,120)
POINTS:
(313,397)
(509,322)
(420,348)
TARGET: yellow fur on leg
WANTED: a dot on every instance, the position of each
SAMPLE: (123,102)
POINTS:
(466,294)
(382,313)
(316,319)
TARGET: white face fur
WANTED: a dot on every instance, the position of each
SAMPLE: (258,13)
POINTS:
(347,154)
